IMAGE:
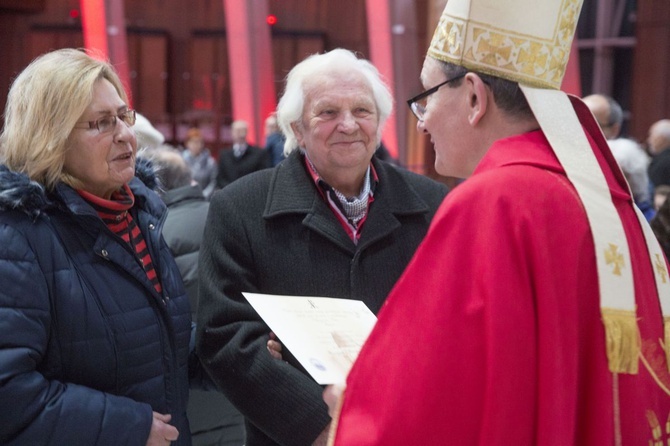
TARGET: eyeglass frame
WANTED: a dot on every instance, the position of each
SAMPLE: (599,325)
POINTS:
(120,117)
(415,100)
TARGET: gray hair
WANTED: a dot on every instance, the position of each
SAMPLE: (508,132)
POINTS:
(633,162)
(290,107)
(170,167)
(616,113)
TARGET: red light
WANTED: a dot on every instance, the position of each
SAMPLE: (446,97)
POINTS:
(271,19)
(74,13)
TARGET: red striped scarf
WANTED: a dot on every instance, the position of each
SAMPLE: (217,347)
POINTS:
(115,213)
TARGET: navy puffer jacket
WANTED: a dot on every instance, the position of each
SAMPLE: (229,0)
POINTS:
(88,348)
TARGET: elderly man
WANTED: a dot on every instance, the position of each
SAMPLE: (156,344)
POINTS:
(539,319)
(330,220)
(630,156)
(607,112)
(658,141)
(241,158)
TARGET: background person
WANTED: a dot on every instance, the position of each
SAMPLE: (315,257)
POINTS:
(658,143)
(630,156)
(95,319)
(241,158)
(530,314)
(203,166)
(274,140)
(214,420)
(330,220)
(607,112)
(148,136)
(634,163)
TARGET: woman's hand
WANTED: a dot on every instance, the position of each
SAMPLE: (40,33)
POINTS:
(274,346)
(162,433)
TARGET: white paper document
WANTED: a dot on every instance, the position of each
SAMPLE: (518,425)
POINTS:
(323,333)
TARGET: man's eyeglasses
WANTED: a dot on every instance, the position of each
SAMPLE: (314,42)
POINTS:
(108,123)
(418,103)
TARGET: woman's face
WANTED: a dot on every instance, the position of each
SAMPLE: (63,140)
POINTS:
(195,145)
(102,162)
(339,125)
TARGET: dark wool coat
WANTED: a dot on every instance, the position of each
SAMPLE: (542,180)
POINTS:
(214,421)
(271,232)
(88,348)
(232,168)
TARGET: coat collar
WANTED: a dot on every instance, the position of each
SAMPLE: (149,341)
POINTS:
(185,193)
(18,192)
(292,191)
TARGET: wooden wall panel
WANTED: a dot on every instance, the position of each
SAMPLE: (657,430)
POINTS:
(651,89)
(209,74)
(289,49)
(343,22)
(30,6)
(43,40)
(208,85)
(148,64)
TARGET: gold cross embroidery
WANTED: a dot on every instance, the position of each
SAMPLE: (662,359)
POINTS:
(660,268)
(613,256)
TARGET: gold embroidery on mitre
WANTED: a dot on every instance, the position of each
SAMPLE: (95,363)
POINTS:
(661,268)
(613,256)
(622,339)
(535,61)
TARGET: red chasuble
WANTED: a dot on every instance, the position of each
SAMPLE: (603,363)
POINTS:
(493,334)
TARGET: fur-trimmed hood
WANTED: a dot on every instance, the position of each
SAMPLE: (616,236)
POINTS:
(18,192)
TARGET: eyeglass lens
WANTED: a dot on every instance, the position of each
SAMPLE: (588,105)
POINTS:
(418,108)
(108,123)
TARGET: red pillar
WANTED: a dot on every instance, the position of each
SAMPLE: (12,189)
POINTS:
(572,80)
(104,27)
(250,61)
(381,55)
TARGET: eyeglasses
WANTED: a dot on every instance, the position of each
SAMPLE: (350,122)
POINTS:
(108,123)
(418,103)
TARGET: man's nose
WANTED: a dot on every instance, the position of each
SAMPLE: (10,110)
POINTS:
(348,122)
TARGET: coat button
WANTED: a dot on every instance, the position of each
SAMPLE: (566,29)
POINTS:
(151,226)
(104,253)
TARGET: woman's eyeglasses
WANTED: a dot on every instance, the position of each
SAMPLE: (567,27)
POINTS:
(108,123)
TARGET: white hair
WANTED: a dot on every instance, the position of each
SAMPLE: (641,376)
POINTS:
(147,135)
(634,162)
(290,107)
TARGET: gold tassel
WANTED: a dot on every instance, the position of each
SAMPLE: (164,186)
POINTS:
(623,340)
(666,346)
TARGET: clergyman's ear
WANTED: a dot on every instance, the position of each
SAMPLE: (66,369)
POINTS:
(478,98)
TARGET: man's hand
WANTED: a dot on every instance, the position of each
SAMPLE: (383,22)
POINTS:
(274,346)
(331,396)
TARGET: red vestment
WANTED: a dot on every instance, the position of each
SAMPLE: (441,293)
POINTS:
(493,335)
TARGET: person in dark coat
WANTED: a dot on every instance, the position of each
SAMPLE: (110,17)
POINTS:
(241,158)
(214,420)
(330,220)
(94,344)
(274,140)
(658,143)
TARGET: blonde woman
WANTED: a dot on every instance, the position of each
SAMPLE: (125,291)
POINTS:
(95,325)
